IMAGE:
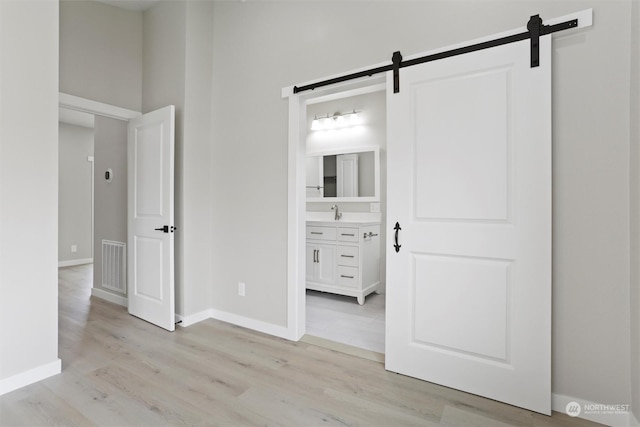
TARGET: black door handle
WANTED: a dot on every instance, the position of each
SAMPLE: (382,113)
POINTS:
(397,228)
(164,228)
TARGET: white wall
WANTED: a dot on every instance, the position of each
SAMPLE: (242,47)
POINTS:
(28,192)
(177,61)
(101,53)
(110,198)
(260,47)
(197,203)
(75,221)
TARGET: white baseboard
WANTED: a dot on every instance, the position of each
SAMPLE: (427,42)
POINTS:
(245,322)
(193,318)
(256,325)
(31,376)
(617,418)
(108,296)
(73,262)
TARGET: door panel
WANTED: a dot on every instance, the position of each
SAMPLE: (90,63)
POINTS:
(148,171)
(147,258)
(150,166)
(465,175)
(472,294)
(469,182)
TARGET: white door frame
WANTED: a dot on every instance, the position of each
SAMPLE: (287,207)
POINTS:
(296,207)
(84,105)
(89,106)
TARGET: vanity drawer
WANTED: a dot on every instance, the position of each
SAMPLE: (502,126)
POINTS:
(347,234)
(321,233)
(347,276)
(348,255)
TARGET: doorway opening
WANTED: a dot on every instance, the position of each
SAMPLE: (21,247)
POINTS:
(345,302)
(93,133)
(76,188)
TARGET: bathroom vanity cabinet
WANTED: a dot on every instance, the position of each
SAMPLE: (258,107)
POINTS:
(343,258)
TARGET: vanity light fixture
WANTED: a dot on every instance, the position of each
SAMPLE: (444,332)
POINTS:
(336,121)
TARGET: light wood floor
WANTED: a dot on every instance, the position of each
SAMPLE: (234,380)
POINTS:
(119,371)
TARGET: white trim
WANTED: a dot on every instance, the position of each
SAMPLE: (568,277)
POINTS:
(108,296)
(193,318)
(295,225)
(31,376)
(256,325)
(91,160)
(73,262)
(245,322)
(76,103)
(559,404)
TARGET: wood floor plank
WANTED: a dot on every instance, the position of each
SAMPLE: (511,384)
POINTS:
(44,408)
(121,371)
(94,401)
(205,392)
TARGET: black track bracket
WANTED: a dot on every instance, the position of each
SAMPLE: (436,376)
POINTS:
(537,29)
(397,60)
(534,26)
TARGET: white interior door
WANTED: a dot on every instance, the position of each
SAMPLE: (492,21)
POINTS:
(347,175)
(469,182)
(150,263)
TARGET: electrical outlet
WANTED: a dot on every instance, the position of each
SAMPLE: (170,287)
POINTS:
(241,287)
(374,207)
(74,248)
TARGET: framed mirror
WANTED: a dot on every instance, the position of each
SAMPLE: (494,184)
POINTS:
(346,175)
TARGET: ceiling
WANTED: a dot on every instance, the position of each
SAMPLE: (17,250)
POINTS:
(139,5)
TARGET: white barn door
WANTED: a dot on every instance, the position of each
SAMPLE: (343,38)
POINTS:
(150,262)
(469,183)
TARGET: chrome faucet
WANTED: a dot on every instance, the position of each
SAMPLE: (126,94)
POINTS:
(338,214)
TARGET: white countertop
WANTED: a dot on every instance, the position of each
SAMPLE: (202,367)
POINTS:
(348,218)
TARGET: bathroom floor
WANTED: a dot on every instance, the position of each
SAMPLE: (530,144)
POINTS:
(341,319)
